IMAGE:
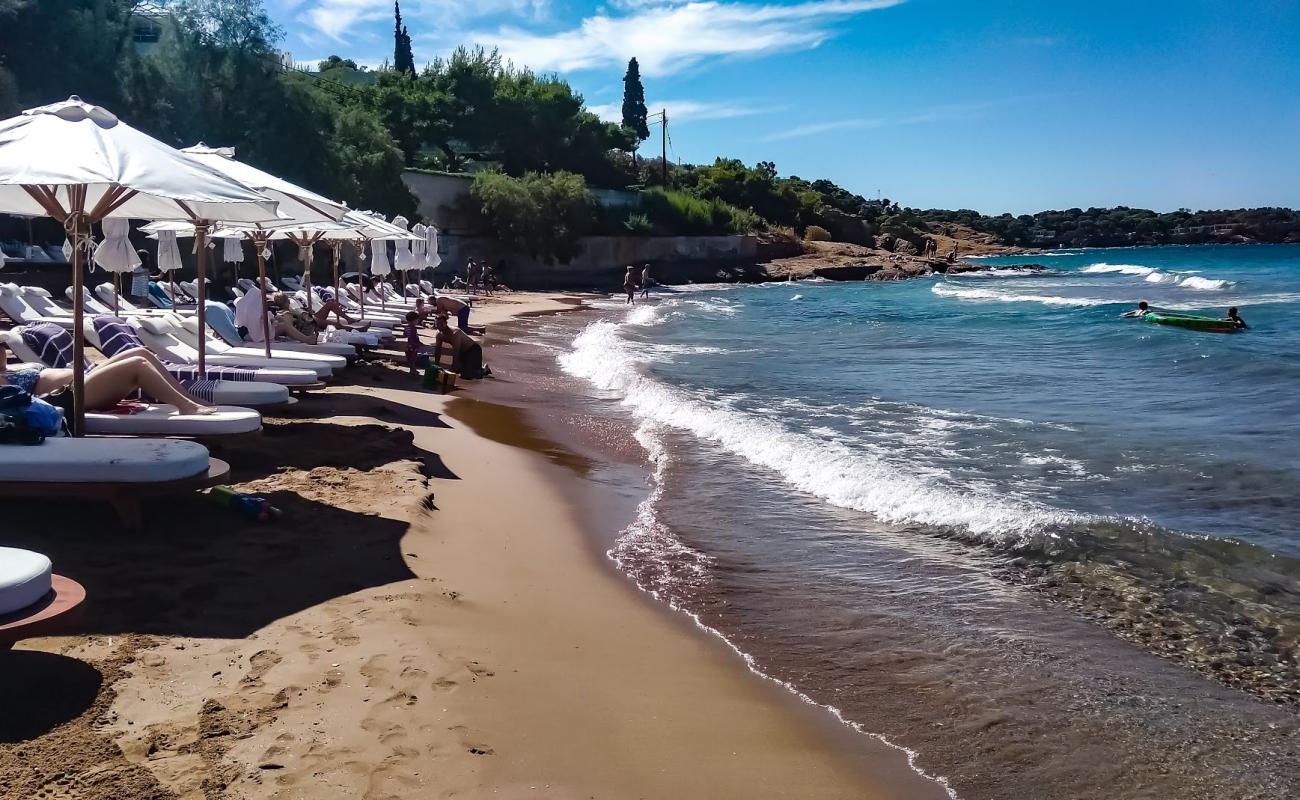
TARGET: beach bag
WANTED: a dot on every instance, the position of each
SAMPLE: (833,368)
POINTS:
(14,426)
(46,417)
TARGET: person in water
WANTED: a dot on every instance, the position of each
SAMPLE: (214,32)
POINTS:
(629,285)
(1140,311)
(1236,319)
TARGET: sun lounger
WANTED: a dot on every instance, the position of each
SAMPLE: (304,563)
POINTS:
(120,471)
(219,385)
(103,299)
(323,362)
(16,307)
(161,336)
(32,598)
(225,340)
(427,286)
(152,419)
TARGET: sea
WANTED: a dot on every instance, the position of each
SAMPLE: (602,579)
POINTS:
(1047,550)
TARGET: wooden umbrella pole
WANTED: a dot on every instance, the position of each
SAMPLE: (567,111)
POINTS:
(361,287)
(78,227)
(306,253)
(201,278)
(259,244)
(336,252)
(171,276)
(117,292)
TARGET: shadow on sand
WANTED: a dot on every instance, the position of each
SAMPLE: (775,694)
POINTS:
(39,691)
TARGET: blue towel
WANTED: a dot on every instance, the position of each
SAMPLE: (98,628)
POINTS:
(52,344)
(160,297)
(222,320)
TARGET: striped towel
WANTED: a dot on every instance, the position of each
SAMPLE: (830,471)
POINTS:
(116,336)
(52,344)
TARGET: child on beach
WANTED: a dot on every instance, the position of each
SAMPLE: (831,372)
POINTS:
(413,345)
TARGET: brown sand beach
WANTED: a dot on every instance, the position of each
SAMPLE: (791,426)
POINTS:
(429,618)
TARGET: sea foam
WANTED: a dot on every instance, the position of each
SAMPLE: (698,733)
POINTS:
(1002,296)
(843,476)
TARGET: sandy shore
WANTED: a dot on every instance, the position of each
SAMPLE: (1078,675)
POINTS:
(428,619)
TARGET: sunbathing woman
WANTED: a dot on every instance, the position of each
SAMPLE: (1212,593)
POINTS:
(109,382)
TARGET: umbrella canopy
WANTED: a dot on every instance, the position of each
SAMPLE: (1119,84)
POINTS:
(297,205)
(80,164)
(50,155)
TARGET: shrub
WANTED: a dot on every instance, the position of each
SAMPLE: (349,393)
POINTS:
(686,214)
(816,233)
(544,214)
(638,225)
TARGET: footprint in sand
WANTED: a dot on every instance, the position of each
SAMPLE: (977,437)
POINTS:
(259,663)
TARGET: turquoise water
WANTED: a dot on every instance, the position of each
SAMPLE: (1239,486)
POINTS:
(882,492)
(999,405)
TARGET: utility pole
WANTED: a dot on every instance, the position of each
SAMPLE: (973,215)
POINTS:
(663,144)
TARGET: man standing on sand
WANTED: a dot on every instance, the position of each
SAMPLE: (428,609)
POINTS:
(645,281)
(444,305)
(473,274)
(629,286)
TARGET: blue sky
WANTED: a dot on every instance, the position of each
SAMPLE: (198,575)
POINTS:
(999,105)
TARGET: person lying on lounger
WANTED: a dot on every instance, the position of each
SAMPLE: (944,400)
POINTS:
(107,383)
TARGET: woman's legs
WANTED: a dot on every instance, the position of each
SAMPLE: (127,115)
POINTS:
(147,355)
(115,379)
(283,328)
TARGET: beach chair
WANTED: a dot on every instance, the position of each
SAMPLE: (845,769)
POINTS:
(323,362)
(218,385)
(33,600)
(165,336)
(15,306)
(222,322)
(374,316)
(51,346)
(104,303)
(427,286)
(122,472)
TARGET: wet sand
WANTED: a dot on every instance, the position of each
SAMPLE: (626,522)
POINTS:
(430,618)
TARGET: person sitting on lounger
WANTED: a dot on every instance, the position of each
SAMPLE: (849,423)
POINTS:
(280,319)
(466,354)
(108,383)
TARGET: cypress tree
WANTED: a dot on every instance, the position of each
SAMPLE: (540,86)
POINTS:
(403,58)
(634,110)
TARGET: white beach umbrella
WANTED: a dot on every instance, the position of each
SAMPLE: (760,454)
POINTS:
(299,209)
(115,253)
(431,256)
(404,259)
(80,164)
(418,248)
(232,250)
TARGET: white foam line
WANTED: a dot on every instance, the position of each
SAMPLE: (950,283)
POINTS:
(646,515)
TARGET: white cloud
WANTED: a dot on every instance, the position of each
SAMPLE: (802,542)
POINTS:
(669,37)
(339,19)
(935,114)
(679,110)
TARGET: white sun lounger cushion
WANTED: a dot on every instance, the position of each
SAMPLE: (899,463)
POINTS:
(126,461)
(25,577)
(158,420)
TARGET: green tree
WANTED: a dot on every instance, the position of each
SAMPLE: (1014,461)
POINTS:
(542,214)
(403,58)
(634,110)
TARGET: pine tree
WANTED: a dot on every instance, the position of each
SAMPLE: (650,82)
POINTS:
(634,110)
(403,58)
